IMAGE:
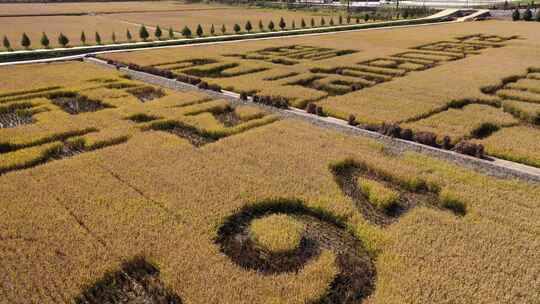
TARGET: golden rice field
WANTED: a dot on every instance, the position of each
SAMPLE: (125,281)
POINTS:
(23,9)
(459,82)
(118,17)
(113,190)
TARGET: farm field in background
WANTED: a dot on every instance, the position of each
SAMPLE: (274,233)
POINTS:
(442,85)
(22,9)
(137,192)
(117,18)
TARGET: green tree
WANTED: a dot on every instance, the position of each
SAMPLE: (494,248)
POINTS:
(527,16)
(212,30)
(236,28)
(113,37)
(366,17)
(271,25)
(186,32)
(293,25)
(248,26)
(331,21)
(25,41)
(312,22)
(158,33)
(323,22)
(282,23)
(63,40)
(128,36)
(223,29)
(340,20)
(83,38)
(261,26)
(303,23)
(348,19)
(199,31)
(98,38)
(538,15)
(45,40)
(171,33)
(6,43)
(357,20)
(515,15)
(143,33)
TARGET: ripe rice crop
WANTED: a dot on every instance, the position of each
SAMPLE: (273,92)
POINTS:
(156,217)
(420,79)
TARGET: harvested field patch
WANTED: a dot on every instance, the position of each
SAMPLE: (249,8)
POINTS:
(136,282)
(76,104)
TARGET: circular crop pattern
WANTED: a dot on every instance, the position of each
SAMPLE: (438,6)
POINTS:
(311,232)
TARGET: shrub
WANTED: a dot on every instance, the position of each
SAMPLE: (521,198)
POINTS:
(128,36)
(357,20)
(406,134)
(323,22)
(143,33)
(352,120)
(311,108)
(243,96)
(6,43)
(63,40)
(282,23)
(447,143)
(469,148)
(98,38)
(171,33)
(188,79)
(261,26)
(271,25)
(348,19)
(303,23)
(340,19)
(45,40)
(426,138)
(158,32)
(223,29)
(236,28)
(366,17)
(212,30)
(248,26)
(274,101)
(515,15)
(293,25)
(393,130)
(25,41)
(199,31)
(312,22)
(203,85)
(527,16)
(320,111)
(113,37)
(186,32)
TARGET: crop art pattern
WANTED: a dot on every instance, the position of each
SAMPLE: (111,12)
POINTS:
(346,79)
(52,123)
